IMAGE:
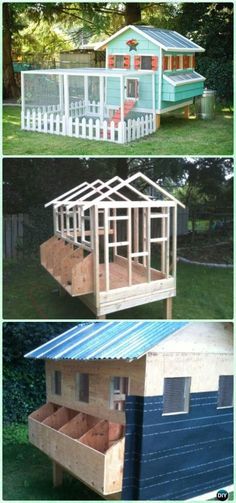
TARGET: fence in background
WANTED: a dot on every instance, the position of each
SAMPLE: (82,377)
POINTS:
(13,235)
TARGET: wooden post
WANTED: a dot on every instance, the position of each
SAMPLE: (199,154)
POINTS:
(101,317)
(168,308)
(66,101)
(57,474)
(22,100)
(61,93)
(96,259)
(186,112)
(158,121)
(101,90)
(136,232)
(86,96)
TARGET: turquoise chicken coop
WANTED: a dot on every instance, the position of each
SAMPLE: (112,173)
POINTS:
(149,71)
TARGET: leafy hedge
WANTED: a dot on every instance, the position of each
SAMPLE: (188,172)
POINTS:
(23,379)
(218,73)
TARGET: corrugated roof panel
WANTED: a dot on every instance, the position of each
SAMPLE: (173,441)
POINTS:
(184,78)
(126,340)
(168,38)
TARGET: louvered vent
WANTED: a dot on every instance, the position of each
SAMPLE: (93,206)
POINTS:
(176,395)
(225,392)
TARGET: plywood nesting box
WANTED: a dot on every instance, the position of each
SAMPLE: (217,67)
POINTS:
(114,245)
(139,410)
(149,71)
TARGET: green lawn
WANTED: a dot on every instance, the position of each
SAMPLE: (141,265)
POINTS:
(27,472)
(176,136)
(31,293)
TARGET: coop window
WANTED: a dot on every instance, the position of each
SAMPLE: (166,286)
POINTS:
(82,387)
(56,382)
(146,62)
(118,391)
(176,395)
(225,391)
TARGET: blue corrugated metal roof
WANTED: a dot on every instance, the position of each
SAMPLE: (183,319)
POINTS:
(126,340)
(168,38)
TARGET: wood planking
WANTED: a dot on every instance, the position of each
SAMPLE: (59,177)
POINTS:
(99,385)
(203,370)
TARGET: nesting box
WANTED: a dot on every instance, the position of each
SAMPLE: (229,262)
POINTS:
(149,71)
(114,245)
(139,410)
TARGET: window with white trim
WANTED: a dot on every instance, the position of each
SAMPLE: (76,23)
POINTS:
(176,395)
(82,387)
(119,388)
(56,382)
(225,392)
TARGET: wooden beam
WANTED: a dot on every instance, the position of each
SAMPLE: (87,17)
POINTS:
(158,121)
(136,233)
(57,474)
(186,112)
(168,308)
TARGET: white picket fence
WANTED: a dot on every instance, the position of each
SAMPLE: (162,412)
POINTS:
(87,128)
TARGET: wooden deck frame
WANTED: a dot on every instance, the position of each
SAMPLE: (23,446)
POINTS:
(114,269)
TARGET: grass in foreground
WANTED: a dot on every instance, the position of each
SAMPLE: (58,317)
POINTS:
(176,136)
(31,293)
(27,472)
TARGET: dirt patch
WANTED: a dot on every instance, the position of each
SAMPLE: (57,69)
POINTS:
(212,253)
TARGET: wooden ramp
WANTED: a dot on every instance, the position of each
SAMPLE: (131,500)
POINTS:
(90,448)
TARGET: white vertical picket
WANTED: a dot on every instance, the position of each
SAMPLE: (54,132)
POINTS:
(63,125)
(39,121)
(120,132)
(83,127)
(112,131)
(51,123)
(129,127)
(146,125)
(97,129)
(133,129)
(142,126)
(70,126)
(57,131)
(138,128)
(77,127)
(90,129)
(104,127)
(34,120)
(45,122)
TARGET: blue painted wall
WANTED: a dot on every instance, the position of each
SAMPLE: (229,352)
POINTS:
(170,96)
(179,456)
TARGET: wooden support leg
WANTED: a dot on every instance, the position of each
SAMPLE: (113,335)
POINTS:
(57,474)
(168,308)
(101,317)
(158,121)
(186,112)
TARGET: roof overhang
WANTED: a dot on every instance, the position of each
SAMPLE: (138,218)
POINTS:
(102,45)
(196,78)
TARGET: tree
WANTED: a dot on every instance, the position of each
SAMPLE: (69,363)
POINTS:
(10,88)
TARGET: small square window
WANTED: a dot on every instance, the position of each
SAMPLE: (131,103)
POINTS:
(119,61)
(118,391)
(146,62)
(225,392)
(176,395)
(56,382)
(82,387)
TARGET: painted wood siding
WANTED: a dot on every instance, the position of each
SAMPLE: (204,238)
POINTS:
(145,47)
(176,457)
(176,93)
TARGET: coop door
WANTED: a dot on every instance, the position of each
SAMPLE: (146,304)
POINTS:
(132,89)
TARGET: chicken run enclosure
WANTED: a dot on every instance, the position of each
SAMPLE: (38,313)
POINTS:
(149,72)
(114,244)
